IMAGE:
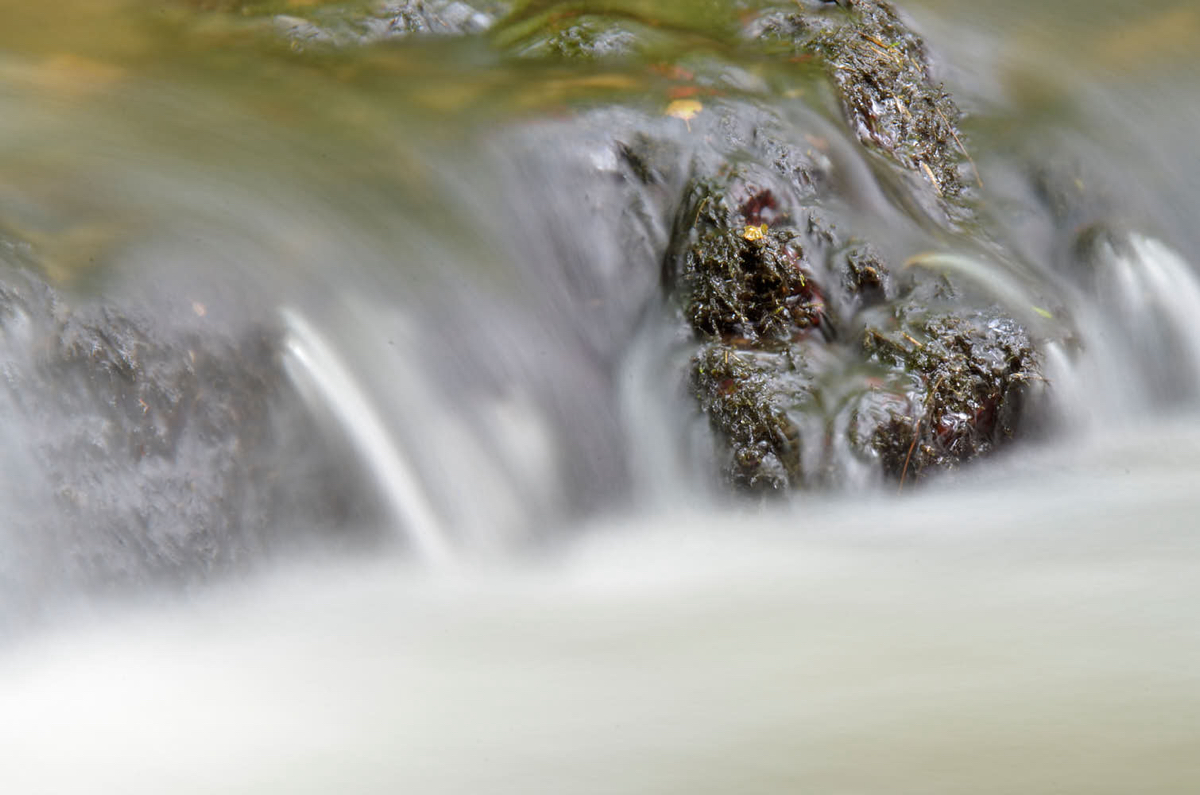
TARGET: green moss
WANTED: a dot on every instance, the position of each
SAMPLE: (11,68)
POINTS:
(968,372)
(746,394)
(741,278)
(881,74)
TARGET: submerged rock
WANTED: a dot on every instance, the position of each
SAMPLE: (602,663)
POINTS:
(150,450)
(440,17)
(586,37)
(350,25)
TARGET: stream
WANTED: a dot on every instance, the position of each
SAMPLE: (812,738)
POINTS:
(347,443)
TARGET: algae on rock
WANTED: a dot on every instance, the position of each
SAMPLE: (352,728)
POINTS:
(881,73)
(968,371)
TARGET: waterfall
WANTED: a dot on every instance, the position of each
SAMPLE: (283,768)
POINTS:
(317,369)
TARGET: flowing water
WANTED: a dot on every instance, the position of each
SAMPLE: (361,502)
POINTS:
(475,544)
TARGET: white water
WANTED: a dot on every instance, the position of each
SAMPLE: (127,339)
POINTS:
(317,368)
(1024,627)
(1033,635)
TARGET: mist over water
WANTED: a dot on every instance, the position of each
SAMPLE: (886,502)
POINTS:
(472,542)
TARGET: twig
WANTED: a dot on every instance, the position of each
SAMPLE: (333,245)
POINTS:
(917,432)
(932,177)
(958,141)
(911,447)
(883,48)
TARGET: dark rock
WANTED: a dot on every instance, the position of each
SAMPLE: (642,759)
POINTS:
(963,375)
(881,72)
(909,379)
(740,277)
(747,394)
(807,347)
(161,453)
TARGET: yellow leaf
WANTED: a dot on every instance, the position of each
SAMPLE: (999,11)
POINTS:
(755,232)
(684,109)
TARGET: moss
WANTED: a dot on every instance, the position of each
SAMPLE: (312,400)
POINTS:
(881,74)
(968,372)
(747,292)
(739,276)
(746,394)
(864,276)
(750,288)
(947,380)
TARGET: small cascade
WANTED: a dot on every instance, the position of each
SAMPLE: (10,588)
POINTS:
(1147,310)
(320,373)
(1137,326)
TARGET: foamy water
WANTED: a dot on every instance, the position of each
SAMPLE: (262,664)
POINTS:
(1032,633)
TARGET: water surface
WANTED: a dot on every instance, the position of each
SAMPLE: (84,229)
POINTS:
(473,335)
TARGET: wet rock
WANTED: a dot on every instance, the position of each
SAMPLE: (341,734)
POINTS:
(740,277)
(882,75)
(962,375)
(812,359)
(805,170)
(864,276)
(747,292)
(650,160)
(151,452)
(301,32)
(806,347)
(425,17)
(747,394)
(350,25)
(588,38)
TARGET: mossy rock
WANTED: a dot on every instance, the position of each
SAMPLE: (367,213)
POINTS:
(881,73)
(968,372)
(747,393)
(941,379)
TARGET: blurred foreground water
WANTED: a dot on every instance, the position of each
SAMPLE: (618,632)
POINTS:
(467,541)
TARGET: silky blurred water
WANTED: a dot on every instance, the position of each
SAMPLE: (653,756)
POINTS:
(430,229)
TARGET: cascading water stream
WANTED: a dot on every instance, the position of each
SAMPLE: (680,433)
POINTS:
(315,365)
(291,331)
